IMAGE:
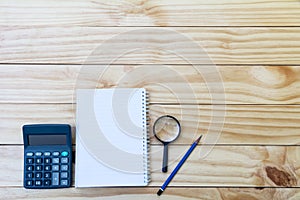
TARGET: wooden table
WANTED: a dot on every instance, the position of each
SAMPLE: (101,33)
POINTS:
(255,45)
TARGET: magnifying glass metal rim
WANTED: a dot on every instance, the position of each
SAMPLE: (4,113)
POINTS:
(165,143)
(164,116)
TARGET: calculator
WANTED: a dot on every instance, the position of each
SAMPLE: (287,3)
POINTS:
(47,156)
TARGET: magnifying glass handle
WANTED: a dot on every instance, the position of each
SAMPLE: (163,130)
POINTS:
(165,159)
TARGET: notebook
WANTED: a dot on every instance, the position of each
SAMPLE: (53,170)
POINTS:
(111,138)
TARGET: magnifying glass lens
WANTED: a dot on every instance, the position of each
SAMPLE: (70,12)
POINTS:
(166,129)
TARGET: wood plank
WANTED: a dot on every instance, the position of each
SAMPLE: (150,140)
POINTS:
(38,83)
(228,166)
(73,45)
(153,13)
(14,116)
(166,84)
(239,125)
(259,125)
(150,193)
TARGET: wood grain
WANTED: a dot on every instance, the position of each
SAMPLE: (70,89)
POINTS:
(40,84)
(255,44)
(150,193)
(250,166)
(237,125)
(73,45)
(230,166)
(150,13)
(245,84)
(258,125)
(14,116)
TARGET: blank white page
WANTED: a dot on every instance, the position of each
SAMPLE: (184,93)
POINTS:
(111,138)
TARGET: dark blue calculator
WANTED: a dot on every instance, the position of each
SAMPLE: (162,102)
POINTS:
(47,156)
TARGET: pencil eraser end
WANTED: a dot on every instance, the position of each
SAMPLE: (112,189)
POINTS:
(160,191)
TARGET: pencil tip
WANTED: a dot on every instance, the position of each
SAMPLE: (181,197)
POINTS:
(198,140)
(160,191)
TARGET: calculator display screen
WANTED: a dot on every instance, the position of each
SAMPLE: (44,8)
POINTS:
(47,139)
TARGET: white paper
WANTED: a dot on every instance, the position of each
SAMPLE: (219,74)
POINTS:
(111,143)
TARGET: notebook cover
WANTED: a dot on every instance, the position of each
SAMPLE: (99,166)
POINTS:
(111,138)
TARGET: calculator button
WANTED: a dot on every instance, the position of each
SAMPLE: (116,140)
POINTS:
(55,167)
(64,182)
(29,161)
(56,153)
(55,178)
(47,160)
(29,154)
(64,175)
(64,153)
(38,153)
(55,160)
(64,168)
(47,182)
(29,183)
(38,183)
(29,175)
(47,154)
(47,175)
(47,168)
(39,160)
(39,168)
(64,160)
(38,175)
(29,168)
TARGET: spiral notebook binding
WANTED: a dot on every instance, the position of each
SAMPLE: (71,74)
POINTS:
(146,137)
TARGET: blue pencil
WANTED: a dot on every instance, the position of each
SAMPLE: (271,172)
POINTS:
(187,154)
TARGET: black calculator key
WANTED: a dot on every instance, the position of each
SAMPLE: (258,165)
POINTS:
(64,182)
(29,183)
(47,160)
(55,153)
(29,161)
(64,168)
(47,167)
(55,160)
(38,153)
(47,182)
(64,160)
(47,153)
(38,183)
(39,168)
(55,178)
(38,175)
(29,154)
(47,175)
(29,168)
(64,175)
(29,175)
(39,160)
(55,167)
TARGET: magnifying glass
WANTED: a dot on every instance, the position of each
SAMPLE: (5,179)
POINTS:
(166,129)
